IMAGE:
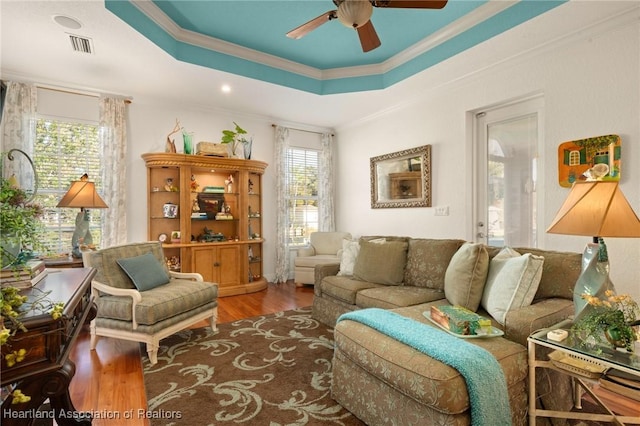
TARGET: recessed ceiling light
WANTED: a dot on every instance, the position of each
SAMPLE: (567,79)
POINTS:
(67,22)
(226,88)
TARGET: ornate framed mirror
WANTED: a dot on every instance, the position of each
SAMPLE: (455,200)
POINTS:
(402,179)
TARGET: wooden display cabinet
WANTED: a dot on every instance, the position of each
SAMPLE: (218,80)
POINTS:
(218,215)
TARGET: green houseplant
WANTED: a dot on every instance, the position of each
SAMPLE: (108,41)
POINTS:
(236,140)
(20,225)
(609,321)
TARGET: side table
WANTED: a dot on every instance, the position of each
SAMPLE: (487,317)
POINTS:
(610,358)
(46,371)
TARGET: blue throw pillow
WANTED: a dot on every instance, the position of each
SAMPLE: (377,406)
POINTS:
(145,271)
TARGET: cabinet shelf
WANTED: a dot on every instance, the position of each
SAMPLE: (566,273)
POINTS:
(228,263)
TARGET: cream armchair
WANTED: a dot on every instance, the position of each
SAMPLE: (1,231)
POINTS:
(324,248)
(139,299)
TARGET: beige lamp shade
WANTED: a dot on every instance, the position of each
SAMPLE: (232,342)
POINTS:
(598,209)
(82,194)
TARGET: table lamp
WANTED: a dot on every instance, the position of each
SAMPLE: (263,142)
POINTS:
(598,209)
(82,194)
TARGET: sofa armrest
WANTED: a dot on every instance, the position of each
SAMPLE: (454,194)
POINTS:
(193,276)
(306,251)
(97,286)
(321,271)
(520,323)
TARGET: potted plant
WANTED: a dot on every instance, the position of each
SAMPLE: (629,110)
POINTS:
(19,223)
(609,321)
(239,145)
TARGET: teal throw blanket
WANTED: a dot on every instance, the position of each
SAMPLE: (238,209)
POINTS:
(485,379)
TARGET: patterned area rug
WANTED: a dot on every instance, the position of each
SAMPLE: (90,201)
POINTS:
(267,370)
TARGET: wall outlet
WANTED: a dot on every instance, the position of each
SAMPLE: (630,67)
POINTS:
(442,211)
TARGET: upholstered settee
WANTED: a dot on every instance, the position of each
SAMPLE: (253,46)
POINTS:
(383,381)
(324,248)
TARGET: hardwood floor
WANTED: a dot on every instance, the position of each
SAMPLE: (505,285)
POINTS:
(109,382)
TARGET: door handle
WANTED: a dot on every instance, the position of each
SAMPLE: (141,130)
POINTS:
(216,264)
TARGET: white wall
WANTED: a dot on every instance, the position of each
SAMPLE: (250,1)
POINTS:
(591,87)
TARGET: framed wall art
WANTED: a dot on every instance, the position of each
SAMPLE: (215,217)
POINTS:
(596,158)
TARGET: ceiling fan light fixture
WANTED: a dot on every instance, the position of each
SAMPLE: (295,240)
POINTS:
(355,13)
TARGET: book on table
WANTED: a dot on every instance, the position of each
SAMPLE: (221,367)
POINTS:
(24,276)
(622,383)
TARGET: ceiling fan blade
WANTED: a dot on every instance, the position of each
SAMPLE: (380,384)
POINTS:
(306,28)
(368,37)
(410,4)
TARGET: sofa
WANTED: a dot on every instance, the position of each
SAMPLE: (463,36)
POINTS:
(383,381)
(324,248)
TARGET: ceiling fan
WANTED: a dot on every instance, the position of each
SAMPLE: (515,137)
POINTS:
(357,13)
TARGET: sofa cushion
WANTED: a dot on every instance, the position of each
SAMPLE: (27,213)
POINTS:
(145,271)
(344,288)
(159,303)
(427,261)
(512,282)
(466,275)
(312,261)
(381,263)
(559,272)
(390,297)
(415,374)
(350,250)
(106,261)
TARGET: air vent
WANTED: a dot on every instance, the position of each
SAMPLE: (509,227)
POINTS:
(81,44)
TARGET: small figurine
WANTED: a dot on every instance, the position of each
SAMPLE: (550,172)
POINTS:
(169,185)
(229,182)
(194,184)
(250,187)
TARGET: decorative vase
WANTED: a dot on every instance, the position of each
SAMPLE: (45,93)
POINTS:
(615,336)
(188,144)
(247,149)
(10,249)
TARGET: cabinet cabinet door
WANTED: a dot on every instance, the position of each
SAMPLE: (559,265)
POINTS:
(228,265)
(202,262)
(219,264)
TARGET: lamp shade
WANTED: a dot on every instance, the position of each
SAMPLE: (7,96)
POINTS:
(82,194)
(598,209)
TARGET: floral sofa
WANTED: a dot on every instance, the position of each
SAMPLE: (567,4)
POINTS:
(383,381)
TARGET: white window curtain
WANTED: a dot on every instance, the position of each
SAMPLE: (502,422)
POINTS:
(19,130)
(282,215)
(113,138)
(325,185)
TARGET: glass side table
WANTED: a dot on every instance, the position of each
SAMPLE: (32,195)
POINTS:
(609,358)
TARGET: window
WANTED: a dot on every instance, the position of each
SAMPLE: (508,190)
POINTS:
(302,167)
(574,158)
(63,152)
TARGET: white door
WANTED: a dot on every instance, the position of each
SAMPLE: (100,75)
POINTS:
(506,180)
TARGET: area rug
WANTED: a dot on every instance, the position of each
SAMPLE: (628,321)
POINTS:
(267,370)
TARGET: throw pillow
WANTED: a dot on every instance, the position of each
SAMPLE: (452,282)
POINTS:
(466,275)
(381,262)
(350,250)
(512,282)
(145,271)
